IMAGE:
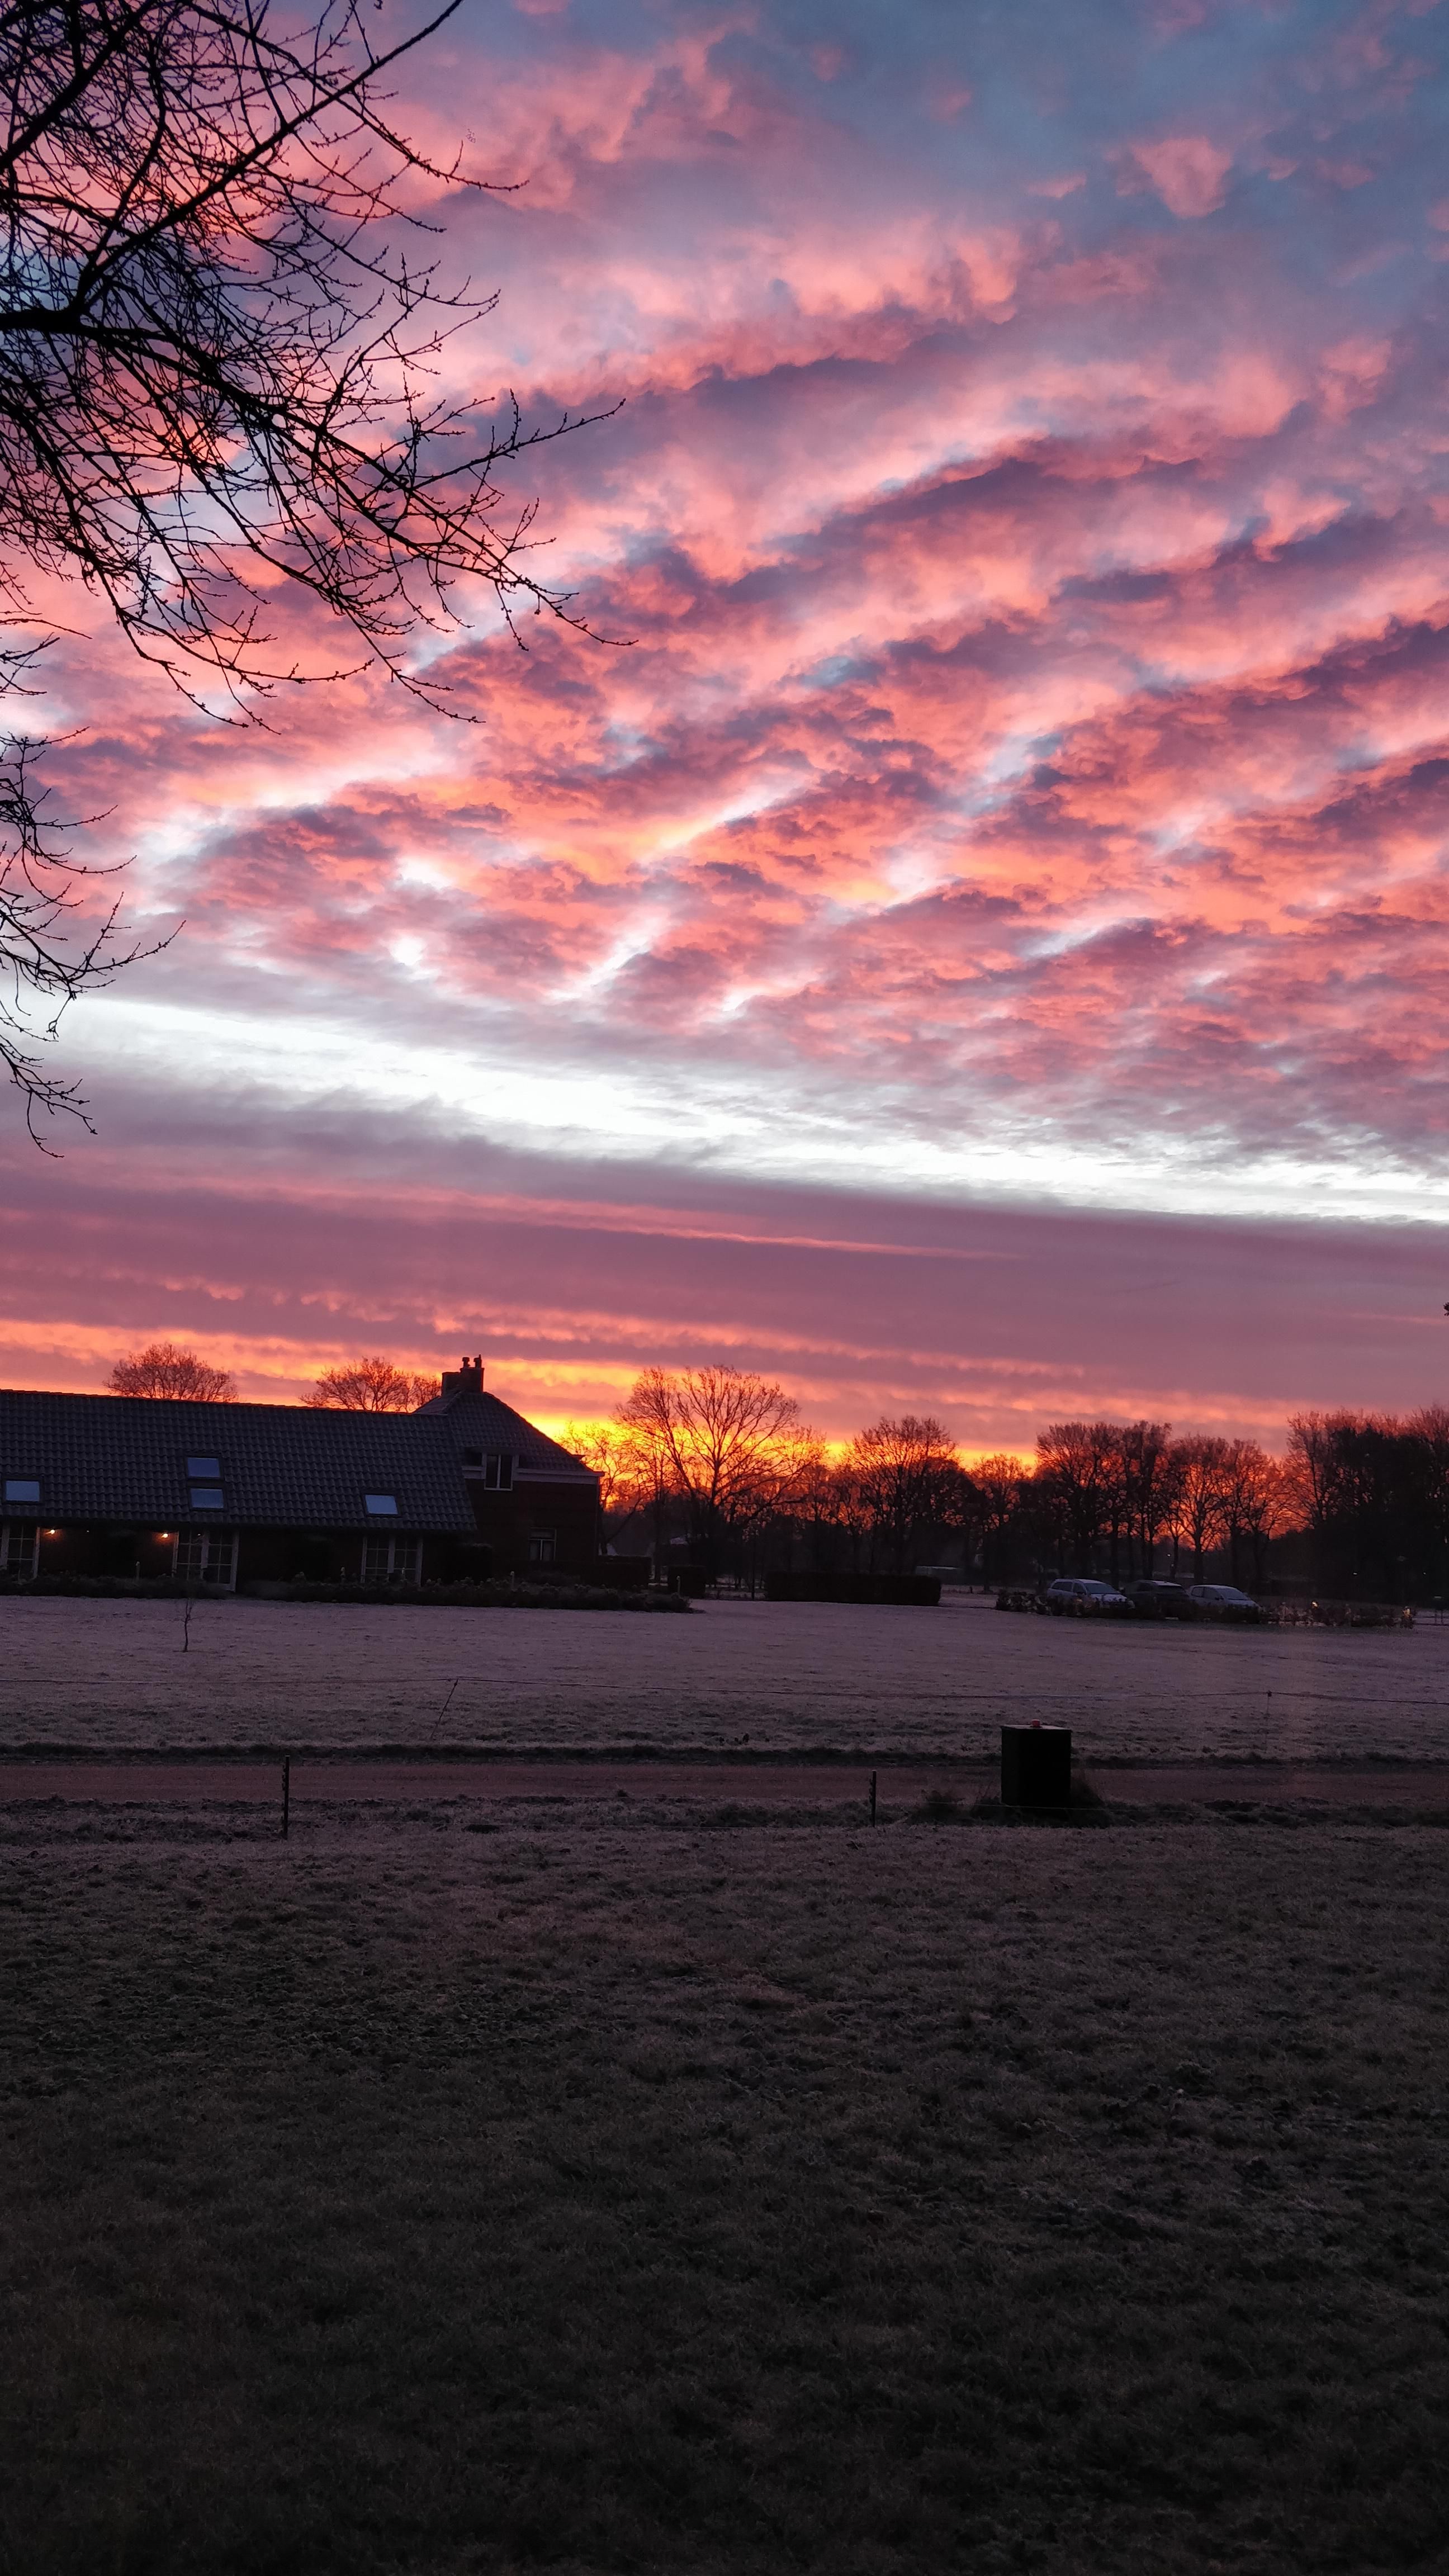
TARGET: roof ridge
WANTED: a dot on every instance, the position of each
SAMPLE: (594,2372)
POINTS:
(126,1457)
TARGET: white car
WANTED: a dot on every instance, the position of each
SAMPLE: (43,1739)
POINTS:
(1223,1601)
(1079,1596)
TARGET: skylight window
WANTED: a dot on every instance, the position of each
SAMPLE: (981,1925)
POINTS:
(382,1505)
(206,1498)
(205,1470)
(22,1489)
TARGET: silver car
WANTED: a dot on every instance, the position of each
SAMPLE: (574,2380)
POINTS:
(1077,1596)
(1223,1601)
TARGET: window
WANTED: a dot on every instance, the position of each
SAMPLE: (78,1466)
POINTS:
(205,1470)
(206,1498)
(392,1560)
(381,1505)
(19,1548)
(541,1547)
(207,1556)
(22,1489)
(498,1475)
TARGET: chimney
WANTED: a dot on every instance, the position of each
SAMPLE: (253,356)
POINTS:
(465,1379)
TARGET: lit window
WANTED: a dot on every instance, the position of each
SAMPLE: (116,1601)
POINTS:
(205,1470)
(381,1505)
(206,1556)
(22,1489)
(206,1498)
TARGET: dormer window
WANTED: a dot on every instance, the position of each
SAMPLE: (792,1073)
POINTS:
(381,1507)
(498,1475)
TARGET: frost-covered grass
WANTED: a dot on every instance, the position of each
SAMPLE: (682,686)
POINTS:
(604,2195)
(791,1675)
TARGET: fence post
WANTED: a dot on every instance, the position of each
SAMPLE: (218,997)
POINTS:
(286,1792)
(872,1797)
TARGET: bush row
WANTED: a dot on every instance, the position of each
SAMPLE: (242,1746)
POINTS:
(501,1595)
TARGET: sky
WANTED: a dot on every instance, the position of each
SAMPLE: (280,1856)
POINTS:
(973,939)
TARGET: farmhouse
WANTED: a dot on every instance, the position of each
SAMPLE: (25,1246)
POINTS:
(237,1494)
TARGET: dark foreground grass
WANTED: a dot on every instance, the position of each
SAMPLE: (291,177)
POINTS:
(616,2196)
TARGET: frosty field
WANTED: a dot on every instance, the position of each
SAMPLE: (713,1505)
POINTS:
(783,1677)
(466,2188)
(410,2201)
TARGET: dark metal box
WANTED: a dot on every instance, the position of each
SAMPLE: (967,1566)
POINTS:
(1036,1766)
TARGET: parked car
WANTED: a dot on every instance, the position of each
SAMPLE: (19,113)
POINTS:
(1223,1601)
(1078,1596)
(1155,1598)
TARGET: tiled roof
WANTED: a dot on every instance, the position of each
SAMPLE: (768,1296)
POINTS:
(477,1420)
(122,1457)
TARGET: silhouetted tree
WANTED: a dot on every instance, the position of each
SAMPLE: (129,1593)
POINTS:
(960,1512)
(218,360)
(614,1456)
(645,1470)
(726,1440)
(1255,1505)
(46,958)
(901,1470)
(998,1481)
(1429,1431)
(1147,1483)
(165,1369)
(854,1512)
(1312,1464)
(1079,1477)
(372,1385)
(1372,1488)
(1199,1497)
(815,1503)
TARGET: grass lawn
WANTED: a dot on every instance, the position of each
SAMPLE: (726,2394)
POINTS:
(788,1675)
(600,2193)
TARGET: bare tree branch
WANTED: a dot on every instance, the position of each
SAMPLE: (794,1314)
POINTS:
(52,945)
(219,359)
(216,356)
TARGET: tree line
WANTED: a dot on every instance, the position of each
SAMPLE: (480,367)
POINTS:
(718,1465)
(1372,1494)
(372,1384)
(721,1459)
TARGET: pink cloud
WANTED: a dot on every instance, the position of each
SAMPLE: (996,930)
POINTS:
(950,1310)
(1188,172)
